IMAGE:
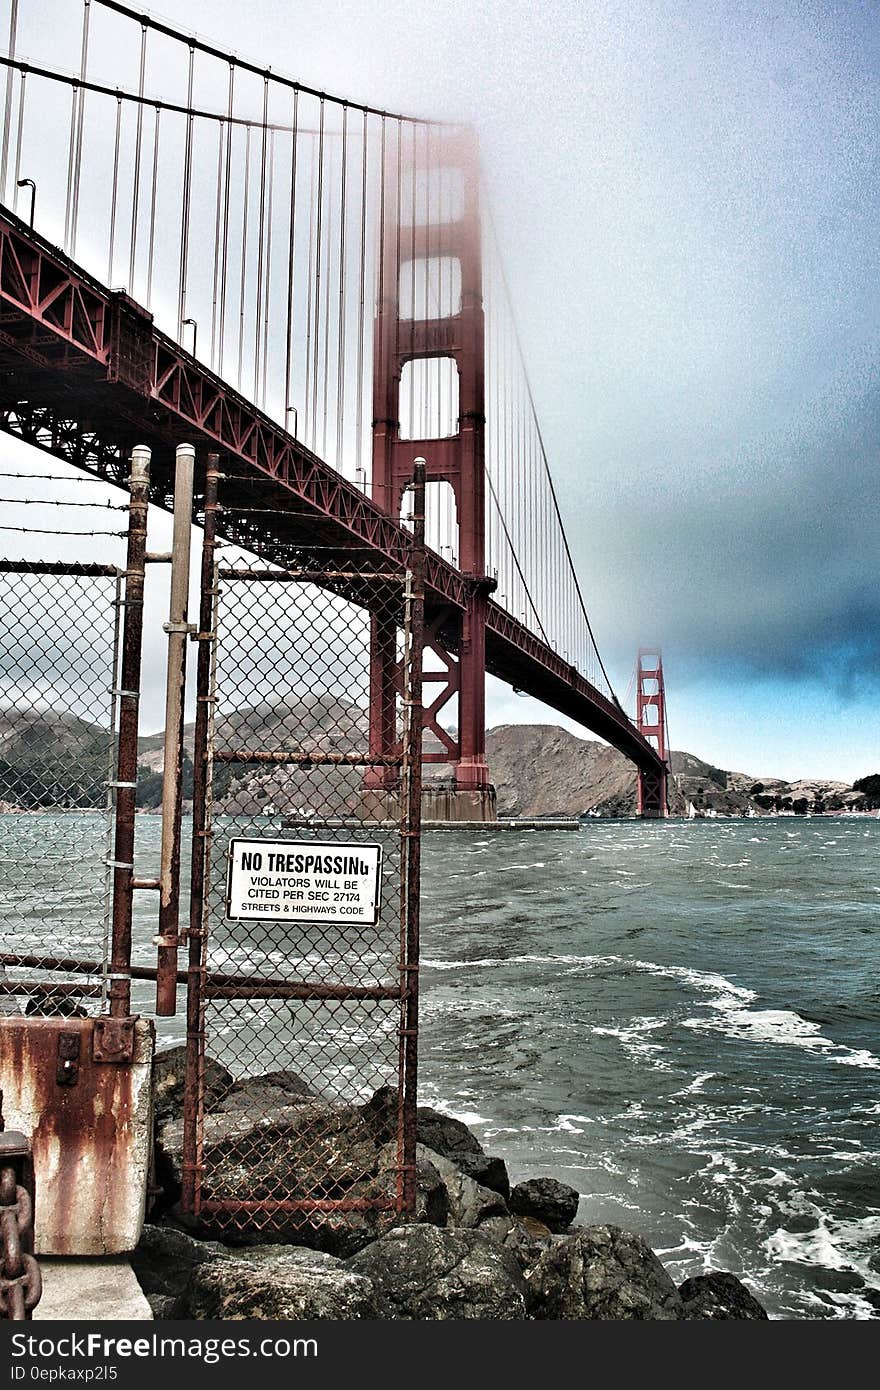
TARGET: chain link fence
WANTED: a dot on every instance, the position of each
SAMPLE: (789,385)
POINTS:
(59,645)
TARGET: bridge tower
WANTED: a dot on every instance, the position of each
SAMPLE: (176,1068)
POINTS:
(424,326)
(652,798)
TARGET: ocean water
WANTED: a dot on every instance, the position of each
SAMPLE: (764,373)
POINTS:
(681,1019)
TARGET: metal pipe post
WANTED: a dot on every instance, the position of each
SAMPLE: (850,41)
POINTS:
(178,630)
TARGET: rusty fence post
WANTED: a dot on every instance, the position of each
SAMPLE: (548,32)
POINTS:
(178,630)
(411,829)
(195,1001)
(127,755)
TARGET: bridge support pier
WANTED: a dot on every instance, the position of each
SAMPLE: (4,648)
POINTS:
(652,797)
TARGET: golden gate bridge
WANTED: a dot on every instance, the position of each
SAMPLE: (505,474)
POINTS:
(195,247)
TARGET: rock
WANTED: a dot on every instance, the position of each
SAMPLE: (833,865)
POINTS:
(432,1194)
(453,1140)
(272,1085)
(603,1273)
(425,1274)
(163,1263)
(280,1283)
(266,1141)
(719,1296)
(168,1072)
(552,1203)
(165,1308)
(469,1203)
(521,1238)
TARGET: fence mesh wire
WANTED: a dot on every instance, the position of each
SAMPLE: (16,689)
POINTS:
(58,650)
(303,1003)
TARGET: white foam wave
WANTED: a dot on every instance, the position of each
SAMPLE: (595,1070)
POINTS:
(780,1027)
(845,1245)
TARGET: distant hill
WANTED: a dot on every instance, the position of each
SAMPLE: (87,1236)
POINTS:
(49,760)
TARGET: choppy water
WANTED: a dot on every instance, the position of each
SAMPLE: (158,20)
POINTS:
(680,1019)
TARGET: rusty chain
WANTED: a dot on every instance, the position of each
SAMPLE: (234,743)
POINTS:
(21,1283)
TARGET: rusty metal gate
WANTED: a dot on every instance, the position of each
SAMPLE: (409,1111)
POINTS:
(303,944)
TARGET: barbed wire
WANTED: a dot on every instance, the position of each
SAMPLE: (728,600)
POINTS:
(57,502)
(43,531)
(55,478)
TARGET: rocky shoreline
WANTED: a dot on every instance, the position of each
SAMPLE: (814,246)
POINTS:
(475,1247)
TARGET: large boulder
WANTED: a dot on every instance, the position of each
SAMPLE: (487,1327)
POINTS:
(453,1140)
(525,1239)
(553,1203)
(425,1274)
(432,1196)
(603,1273)
(168,1077)
(269,1137)
(279,1283)
(469,1203)
(720,1297)
(270,1141)
(163,1263)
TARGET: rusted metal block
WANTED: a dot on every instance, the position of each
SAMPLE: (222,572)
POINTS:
(91,1136)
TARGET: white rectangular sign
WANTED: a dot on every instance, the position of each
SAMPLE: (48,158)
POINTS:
(304,881)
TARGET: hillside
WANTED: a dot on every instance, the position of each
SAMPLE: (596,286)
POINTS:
(541,770)
(52,760)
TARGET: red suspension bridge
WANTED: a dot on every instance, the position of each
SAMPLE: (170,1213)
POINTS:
(312,289)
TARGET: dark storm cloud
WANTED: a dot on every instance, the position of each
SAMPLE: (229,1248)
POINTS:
(762,564)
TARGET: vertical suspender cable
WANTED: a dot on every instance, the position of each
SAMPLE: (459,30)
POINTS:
(266,300)
(362,274)
(4,150)
(224,239)
(153,195)
(242,283)
(138,145)
(80,121)
(22,93)
(261,239)
(340,368)
(328,273)
(223,131)
(71,152)
(291,265)
(318,236)
(187,194)
(381,347)
(115,187)
(308,429)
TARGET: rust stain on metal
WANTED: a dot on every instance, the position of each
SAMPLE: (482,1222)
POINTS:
(82,1134)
